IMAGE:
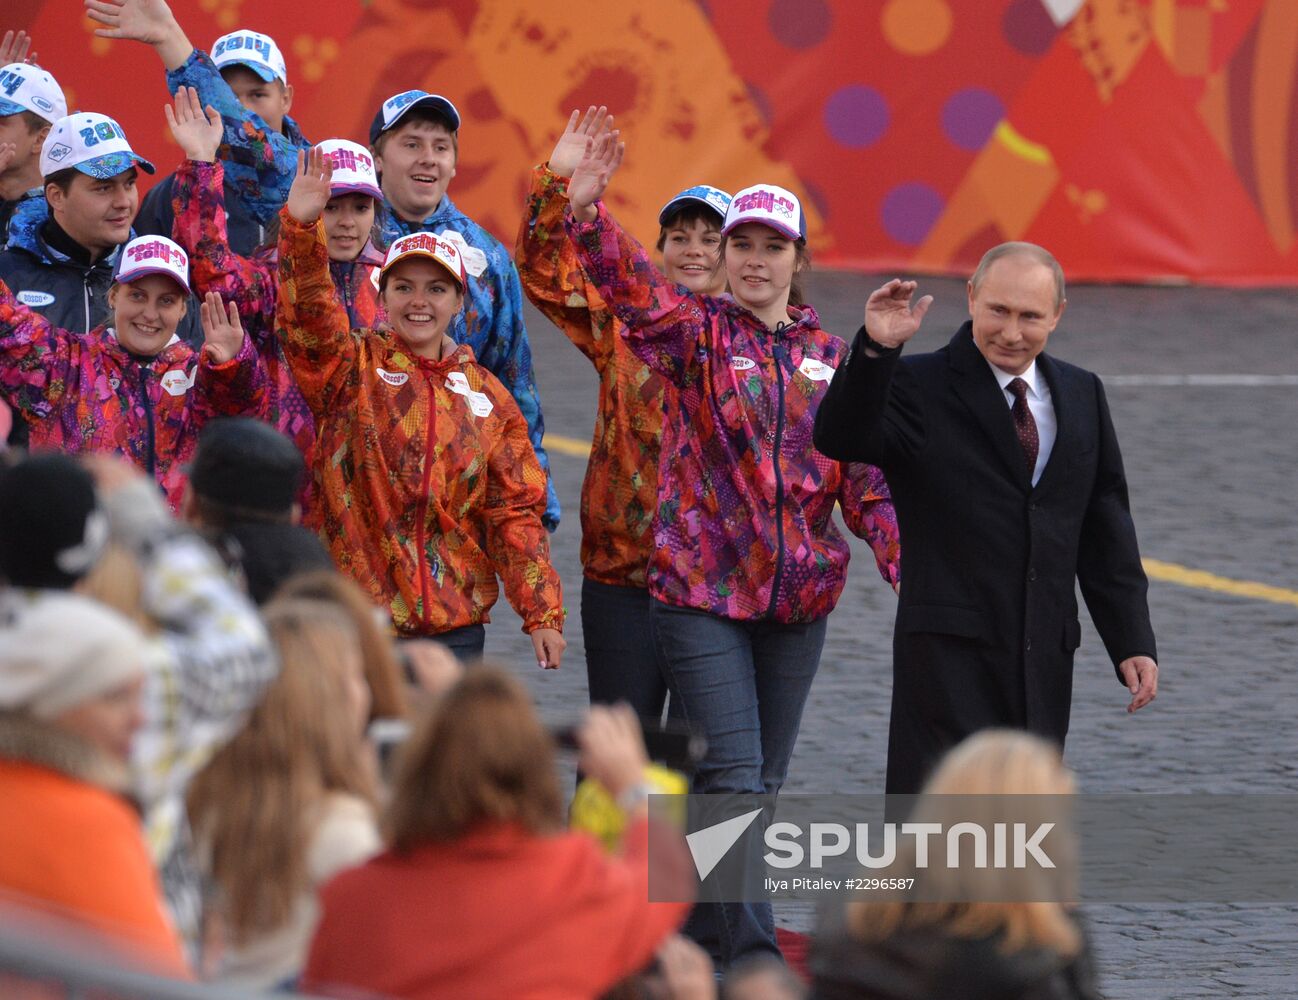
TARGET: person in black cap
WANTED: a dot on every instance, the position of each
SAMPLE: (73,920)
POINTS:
(243,487)
(51,528)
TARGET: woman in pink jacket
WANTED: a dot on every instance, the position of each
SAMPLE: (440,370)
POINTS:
(748,562)
(131,386)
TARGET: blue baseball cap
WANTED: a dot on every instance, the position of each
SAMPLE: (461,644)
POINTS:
(396,107)
(704,194)
(94,144)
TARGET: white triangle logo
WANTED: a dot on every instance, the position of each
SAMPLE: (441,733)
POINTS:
(709,845)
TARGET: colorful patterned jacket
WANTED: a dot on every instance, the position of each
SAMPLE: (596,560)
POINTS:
(426,484)
(620,492)
(86,393)
(492,321)
(259,162)
(744,526)
(251,282)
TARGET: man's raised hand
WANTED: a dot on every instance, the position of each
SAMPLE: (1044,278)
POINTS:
(598,164)
(571,146)
(147,21)
(197,132)
(890,318)
(222,331)
(15,48)
(310,191)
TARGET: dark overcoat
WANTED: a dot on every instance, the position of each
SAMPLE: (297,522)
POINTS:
(987,617)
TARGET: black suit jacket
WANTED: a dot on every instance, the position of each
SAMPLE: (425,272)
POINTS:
(987,619)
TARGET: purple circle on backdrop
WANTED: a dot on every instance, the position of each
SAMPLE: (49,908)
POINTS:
(970,115)
(909,211)
(799,24)
(856,116)
(1028,27)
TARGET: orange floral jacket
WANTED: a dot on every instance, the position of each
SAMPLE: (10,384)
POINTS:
(426,483)
(620,492)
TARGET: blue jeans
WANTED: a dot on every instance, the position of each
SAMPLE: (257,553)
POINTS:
(621,659)
(465,642)
(743,685)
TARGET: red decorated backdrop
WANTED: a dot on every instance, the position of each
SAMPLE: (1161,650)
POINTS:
(1138,139)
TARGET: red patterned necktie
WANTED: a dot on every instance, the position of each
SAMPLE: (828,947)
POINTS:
(1024,424)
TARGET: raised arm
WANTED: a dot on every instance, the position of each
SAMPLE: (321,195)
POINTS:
(871,412)
(232,379)
(516,539)
(198,201)
(259,160)
(547,263)
(317,339)
(663,322)
(867,511)
(37,359)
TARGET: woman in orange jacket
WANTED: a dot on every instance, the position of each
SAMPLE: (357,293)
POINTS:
(426,481)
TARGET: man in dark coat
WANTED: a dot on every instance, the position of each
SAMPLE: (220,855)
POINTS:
(1008,484)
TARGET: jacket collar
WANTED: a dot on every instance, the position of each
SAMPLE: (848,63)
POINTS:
(807,317)
(27,740)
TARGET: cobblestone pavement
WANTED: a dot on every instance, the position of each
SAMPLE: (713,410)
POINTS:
(1212,477)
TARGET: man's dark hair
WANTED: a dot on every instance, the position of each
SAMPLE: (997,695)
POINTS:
(62,179)
(33,121)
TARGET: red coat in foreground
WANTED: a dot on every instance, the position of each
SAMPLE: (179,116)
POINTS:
(499,913)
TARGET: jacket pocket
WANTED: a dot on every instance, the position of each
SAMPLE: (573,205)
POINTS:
(1072,635)
(944,619)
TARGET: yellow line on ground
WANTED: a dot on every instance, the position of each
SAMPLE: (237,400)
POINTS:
(1201,580)
(567,446)
(1165,572)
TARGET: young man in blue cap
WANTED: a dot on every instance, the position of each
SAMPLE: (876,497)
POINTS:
(245,79)
(415,139)
(30,102)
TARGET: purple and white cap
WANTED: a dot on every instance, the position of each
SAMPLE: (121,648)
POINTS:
(353,168)
(152,255)
(769,205)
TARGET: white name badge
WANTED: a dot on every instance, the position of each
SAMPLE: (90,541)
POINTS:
(475,261)
(177,383)
(457,382)
(393,378)
(479,403)
(34,299)
(742,364)
(815,370)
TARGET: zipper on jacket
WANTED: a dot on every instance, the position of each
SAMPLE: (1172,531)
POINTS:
(149,440)
(421,534)
(777,351)
(85,286)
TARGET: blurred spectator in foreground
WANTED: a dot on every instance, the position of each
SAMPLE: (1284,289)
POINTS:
(909,949)
(213,657)
(762,977)
(71,677)
(481,892)
(289,802)
(244,485)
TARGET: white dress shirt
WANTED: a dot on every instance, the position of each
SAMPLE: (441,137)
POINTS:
(1039,405)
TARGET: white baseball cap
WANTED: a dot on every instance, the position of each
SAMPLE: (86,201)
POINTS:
(353,168)
(769,205)
(59,650)
(252,49)
(24,87)
(94,144)
(396,107)
(427,245)
(152,255)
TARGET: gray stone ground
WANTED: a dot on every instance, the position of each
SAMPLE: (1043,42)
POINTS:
(1212,476)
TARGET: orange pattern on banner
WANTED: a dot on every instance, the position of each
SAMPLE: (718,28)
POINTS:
(1135,138)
